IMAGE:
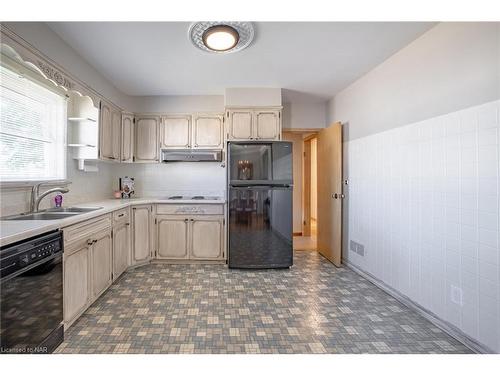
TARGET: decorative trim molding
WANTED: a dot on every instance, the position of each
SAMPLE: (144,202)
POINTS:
(47,67)
(450,329)
(55,75)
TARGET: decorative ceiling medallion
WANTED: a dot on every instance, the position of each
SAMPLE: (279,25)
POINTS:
(242,32)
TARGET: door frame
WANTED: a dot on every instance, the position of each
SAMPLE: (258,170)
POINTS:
(306,185)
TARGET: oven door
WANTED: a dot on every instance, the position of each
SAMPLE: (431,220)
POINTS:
(31,307)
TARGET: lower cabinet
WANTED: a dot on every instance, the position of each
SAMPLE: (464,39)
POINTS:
(190,237)
(87,265)
(172,241)
(76,281)
(206,237)
(121,248)
(102,263)
(141,234)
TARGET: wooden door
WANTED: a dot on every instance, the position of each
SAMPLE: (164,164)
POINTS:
(105,133)
(206,237)
(267,125)
(240,124)
(176,132)
(141,217)
(172,241)
(121,249)
(127,137)
(329,155)
(116,132)
(76,281)
(146,139)
(102,266)
(208,131)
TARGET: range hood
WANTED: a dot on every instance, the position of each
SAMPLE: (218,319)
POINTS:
(190,155)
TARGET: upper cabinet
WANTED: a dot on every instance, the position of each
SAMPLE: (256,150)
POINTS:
(254,124)
(200,131)
(146,139)
(109,132)
(127,137)
(175,131)
(138,138)
(208,131)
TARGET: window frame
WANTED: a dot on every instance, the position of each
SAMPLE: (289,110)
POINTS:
(37,78)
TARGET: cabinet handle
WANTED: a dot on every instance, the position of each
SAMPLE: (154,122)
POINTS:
(121,215)
(94,241)
(127,223)
(89,242)
(186,220)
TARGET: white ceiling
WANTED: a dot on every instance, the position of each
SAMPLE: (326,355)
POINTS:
(314,58)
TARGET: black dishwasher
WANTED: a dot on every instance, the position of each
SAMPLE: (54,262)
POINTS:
(31,301)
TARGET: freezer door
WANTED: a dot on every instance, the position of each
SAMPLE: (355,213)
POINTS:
(260,227)
(260,163)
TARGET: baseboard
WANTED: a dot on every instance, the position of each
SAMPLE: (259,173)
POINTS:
(450,329)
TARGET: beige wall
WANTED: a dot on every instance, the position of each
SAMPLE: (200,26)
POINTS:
(450,67)
(296,138)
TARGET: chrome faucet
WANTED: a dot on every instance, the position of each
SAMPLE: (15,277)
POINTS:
(36,197)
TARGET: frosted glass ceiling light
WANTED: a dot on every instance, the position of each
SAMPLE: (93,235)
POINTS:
(221,37)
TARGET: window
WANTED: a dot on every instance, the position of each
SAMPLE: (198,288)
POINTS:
(32,130)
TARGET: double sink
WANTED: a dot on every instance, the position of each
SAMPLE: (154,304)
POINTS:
(53,213)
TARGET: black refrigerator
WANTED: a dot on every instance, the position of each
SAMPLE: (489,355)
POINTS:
(260,186)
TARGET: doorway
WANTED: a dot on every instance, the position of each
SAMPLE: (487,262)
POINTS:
(305,188)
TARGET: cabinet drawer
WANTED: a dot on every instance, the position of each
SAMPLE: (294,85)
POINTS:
(84,230)
(121,216)
(190,209)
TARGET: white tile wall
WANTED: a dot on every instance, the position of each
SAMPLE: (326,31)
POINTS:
(161,180)
(424,200)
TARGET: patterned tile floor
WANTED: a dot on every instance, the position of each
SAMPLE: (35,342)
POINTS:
(311,308)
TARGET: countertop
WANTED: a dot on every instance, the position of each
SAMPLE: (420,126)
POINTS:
(16,230)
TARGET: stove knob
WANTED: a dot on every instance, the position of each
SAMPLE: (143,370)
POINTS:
(24,260)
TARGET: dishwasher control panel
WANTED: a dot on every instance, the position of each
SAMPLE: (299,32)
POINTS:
(22,254)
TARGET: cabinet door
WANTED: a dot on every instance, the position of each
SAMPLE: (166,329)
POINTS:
(141,216)
(76,281)
(116,133)
(101,262)
(176,132)
(127,138)
(121,248)
(240,124)
(146,139)
(206,237)
(267,125)
(172,237)
(208,131)
(105,133)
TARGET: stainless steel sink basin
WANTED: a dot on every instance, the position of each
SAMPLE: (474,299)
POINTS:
(53,213)
(73,209)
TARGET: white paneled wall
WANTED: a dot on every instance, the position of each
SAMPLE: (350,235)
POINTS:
(424,201)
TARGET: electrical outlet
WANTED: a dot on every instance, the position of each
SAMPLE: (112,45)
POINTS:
(456,295)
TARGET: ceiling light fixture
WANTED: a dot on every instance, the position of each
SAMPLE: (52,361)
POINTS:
(221,37)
